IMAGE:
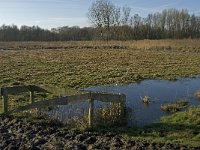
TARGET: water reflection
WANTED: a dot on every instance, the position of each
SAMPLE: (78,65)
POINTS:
(104,114)
(159,91)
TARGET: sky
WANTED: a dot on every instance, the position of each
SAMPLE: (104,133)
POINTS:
(56,13)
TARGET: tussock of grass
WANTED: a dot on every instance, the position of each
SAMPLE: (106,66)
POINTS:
(146,99)
(113,115)
(197,94)
(174,106)
(190,117)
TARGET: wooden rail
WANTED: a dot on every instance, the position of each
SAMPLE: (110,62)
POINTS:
(17,90)
(64,100)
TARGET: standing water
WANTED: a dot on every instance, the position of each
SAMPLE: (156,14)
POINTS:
(159,91)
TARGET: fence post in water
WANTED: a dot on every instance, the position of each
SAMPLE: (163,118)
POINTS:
(31,94)
(91,112)
(123,107)
(5,100)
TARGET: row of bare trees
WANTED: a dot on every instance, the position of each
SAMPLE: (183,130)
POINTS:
(113,23)
(35,33)
(25,33)
(118,23)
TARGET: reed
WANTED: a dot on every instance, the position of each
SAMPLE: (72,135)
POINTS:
(113,115)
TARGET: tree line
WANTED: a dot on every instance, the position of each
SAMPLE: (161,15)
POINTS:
(113,23)
(35,33)
(118,23)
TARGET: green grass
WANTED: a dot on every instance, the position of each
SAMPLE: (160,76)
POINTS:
(23,99)
(178,128)
(1,108)
(175,106)
(197,94)
(82,67)
(75,65)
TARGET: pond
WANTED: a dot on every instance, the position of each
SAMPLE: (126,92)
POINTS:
(159,91)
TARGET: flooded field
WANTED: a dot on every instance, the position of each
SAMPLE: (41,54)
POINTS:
(159,91)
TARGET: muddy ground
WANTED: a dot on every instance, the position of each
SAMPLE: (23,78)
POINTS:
(16,133)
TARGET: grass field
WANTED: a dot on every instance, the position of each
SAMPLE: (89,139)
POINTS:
(178,128)
(83,64)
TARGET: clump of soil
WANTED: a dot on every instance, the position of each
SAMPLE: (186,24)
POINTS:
(19,133)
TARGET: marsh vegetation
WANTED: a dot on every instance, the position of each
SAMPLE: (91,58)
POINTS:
(175,106)
(75,65)
(197,94)
(145,99)
(81,64)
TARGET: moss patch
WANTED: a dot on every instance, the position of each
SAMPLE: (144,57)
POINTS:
(174,106)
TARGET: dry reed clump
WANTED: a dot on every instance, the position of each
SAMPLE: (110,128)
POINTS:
(113,115)
(146,99)
(167,44)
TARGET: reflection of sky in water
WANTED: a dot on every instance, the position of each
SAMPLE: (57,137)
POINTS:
(74,111)
(66,112)
(160,92)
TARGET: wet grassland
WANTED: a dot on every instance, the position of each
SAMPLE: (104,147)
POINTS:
(76,65)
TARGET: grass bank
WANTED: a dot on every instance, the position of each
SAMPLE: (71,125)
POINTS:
(179,128)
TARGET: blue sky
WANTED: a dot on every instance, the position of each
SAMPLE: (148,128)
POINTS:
(55,13)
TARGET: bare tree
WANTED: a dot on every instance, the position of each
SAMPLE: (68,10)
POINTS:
(101,14)
(126,15)
(117,16)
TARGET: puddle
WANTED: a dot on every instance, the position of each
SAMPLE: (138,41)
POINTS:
(159,91)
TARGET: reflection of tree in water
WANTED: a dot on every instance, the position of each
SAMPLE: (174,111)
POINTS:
(68,112)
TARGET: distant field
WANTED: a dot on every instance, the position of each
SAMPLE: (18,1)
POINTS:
(184,45)
(81,64)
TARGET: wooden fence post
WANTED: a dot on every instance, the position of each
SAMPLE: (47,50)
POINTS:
(31,94)
(4,100)
(91,112)
(123,108)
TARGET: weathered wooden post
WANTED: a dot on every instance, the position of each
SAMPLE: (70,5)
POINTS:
(4,100)
(91,112)
(31,94)
(123,107)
